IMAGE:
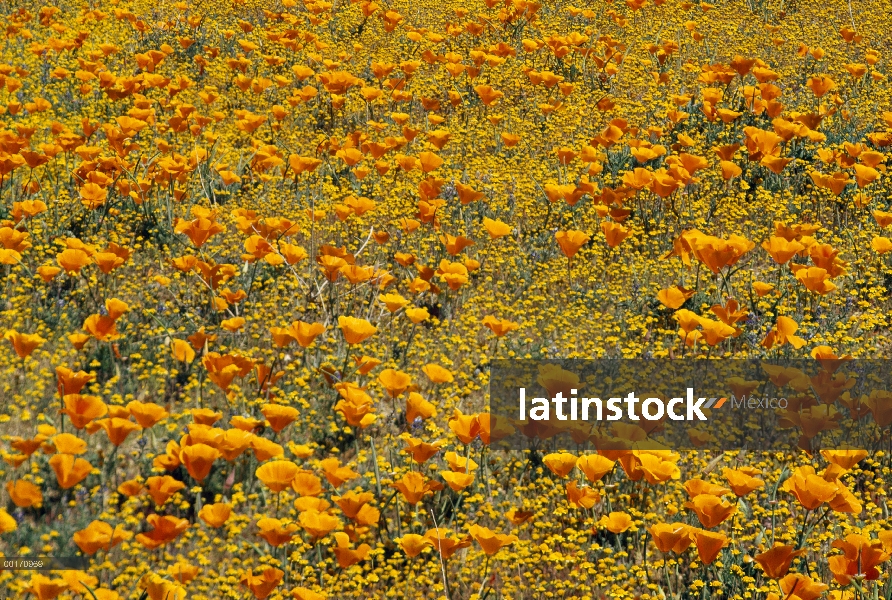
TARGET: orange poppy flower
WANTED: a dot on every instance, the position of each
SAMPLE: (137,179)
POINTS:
(741,482)
(500,327)
(276,531)
(802,586)
(24,493)
(263,582)
(711,510)
(355,330)
(164,530)
(23,344)
(44,588)
(117,429)
(279,416)
(318,524)
(810,489)
(465,427)
(161,488)
(445,545)
(418,408)
(776,561)
(614,234)
(83,409)
(860,558)
(616,522)
(147,414)
(347,556)
(571,241)
(412,486)
(159,588)
(594,466)
(560,463)
(69,470)
(395,382)
(215,515)
(66,443)
(99,535)
(709,544)
(199,459)
(413,544)
(490,541)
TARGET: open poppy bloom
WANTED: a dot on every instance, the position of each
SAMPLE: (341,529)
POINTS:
(860,558)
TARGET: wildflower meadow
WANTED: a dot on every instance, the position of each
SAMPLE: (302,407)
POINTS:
(257,258)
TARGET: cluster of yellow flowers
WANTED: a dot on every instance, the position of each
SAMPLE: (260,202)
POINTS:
(258,255)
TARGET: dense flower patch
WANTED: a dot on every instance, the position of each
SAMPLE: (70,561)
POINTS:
(257,256)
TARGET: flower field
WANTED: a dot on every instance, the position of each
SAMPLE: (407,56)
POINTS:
(257,257)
